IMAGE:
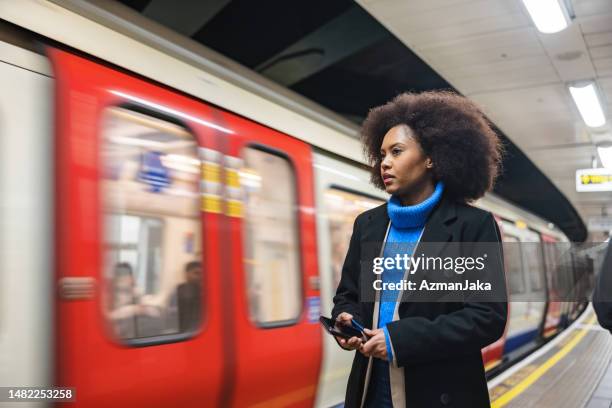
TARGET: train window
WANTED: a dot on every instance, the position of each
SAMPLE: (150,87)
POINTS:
(271,245)
(341,208)
(532,255)
(152,233)
(514,267)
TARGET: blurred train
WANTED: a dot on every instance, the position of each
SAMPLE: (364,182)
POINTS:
(173,226)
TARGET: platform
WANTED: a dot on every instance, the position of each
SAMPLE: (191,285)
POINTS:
(572,371)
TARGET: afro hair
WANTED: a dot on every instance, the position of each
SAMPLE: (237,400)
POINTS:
(465,151)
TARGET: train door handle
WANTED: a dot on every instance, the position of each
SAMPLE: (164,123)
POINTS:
(76,288)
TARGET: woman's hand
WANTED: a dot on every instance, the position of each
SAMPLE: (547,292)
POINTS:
(376,346)
(353,343)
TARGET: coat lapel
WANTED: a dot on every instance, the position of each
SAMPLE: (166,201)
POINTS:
(438,226)
(372,239)
(376,225)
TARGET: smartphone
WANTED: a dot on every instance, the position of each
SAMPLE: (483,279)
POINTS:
(357,325)
(346,332)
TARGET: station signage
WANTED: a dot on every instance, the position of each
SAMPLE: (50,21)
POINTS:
(599,179)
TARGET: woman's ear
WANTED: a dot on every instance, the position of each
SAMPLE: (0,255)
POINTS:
(428,163)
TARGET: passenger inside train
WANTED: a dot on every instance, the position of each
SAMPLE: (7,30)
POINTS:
(126,304)
(188,297)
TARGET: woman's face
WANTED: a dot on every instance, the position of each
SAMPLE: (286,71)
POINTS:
(404,166)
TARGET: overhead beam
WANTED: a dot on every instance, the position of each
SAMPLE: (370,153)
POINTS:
(187,16)
(341,37)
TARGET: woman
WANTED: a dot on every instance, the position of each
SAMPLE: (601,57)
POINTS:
(434,152)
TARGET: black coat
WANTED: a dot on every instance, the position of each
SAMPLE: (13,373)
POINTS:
(602,297)
(437,343)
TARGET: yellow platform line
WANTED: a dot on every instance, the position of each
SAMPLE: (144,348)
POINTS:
(540,371)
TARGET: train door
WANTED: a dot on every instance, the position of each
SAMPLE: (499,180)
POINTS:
(343,192)
(492,355)
(137,226)
(271,267)
(581,284)
(533,261)
(552,322)
(525,275)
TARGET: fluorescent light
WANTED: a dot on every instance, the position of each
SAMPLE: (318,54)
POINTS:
(549,16)
(588,104)
(605,156)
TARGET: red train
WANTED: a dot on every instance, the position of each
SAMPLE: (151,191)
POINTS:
(171,234)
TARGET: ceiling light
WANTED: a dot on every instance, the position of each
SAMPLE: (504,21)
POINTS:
(588,104)
(605,156)
(549,16)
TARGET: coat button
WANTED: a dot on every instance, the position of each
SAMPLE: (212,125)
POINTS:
(445,399)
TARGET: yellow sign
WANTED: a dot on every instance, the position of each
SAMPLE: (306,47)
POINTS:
(599,179)
(595,178)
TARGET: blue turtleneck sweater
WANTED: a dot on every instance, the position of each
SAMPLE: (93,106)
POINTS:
(407,224)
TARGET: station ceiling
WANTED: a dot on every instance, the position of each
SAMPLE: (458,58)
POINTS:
(336,54)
